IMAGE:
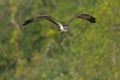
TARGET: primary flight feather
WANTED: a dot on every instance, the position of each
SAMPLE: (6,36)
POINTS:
(62,28)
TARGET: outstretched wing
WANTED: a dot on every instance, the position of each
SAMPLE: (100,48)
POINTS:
(85,17)
(49,18)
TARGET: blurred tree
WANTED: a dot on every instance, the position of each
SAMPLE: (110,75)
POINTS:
(38,51)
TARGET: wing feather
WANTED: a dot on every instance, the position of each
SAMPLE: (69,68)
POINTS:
(49,18)
(85,17)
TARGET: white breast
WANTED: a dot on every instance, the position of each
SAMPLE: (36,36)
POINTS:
(61,27)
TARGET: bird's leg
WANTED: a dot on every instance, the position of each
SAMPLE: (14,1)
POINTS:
(62,32)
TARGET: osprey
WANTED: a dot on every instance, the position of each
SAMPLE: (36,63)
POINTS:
(62,28)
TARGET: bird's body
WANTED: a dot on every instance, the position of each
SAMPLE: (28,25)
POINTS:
(62,28)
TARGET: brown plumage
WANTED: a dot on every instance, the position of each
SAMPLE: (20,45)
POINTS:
(62,28)
(87,17)
(41,18)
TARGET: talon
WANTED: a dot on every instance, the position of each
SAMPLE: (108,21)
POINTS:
(62,33)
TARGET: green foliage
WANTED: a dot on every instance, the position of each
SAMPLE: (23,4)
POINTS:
(38,52)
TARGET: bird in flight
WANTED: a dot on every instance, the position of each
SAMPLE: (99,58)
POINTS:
(62,28)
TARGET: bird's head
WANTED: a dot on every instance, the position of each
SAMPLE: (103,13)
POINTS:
(66,28)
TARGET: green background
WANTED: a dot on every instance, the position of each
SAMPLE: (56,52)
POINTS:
(39,52)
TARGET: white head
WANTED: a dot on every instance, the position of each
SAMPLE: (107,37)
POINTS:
(63,28)
(66,28)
